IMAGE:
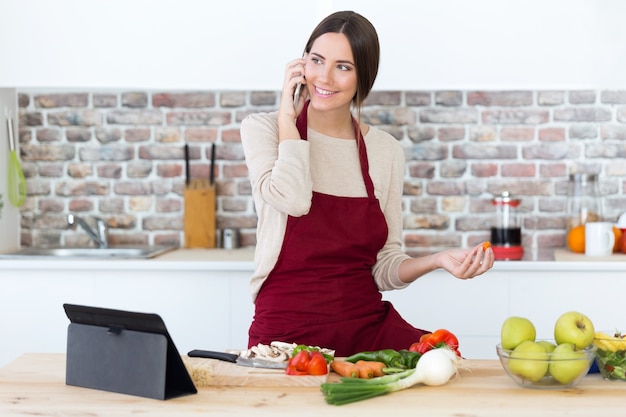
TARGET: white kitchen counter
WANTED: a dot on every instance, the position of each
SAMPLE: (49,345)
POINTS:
(242,260)
(179,259)
(203,296)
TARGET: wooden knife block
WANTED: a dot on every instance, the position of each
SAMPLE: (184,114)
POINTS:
(199,222)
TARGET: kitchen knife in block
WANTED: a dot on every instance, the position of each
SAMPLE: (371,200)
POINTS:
(199,222)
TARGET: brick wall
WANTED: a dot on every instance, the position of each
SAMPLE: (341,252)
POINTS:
(119,155)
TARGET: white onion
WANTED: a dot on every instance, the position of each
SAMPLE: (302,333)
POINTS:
(436,367)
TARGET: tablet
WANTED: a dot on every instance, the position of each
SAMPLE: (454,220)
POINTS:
(123,351)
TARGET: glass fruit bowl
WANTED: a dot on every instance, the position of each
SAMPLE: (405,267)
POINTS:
(561,368)
(611,355)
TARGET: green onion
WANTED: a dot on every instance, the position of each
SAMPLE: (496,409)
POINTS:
(350,390)
(435,367)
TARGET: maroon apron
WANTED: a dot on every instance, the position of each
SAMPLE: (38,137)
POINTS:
(321,291)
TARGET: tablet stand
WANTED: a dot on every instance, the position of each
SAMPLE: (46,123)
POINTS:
(116,359)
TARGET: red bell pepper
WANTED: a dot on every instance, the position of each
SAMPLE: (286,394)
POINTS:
(436,339)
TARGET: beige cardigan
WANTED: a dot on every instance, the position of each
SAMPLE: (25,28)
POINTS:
(284,176)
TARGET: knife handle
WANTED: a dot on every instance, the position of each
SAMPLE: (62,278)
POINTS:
(223,356)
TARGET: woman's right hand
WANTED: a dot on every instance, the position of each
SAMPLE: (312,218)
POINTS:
(294,75)
(467,263)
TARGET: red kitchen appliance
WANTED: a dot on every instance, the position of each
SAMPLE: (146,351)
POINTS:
(506,232)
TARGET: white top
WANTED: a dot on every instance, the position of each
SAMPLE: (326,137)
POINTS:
(284,176)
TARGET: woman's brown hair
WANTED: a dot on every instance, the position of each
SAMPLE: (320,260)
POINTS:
(364,43)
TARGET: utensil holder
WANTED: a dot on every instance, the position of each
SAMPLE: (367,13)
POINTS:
(199,221)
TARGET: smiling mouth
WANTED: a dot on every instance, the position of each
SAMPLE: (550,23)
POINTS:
(323,92)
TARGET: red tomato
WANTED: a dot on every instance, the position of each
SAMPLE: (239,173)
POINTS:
(290,370)
(298,364)
(307,363)
(317,364)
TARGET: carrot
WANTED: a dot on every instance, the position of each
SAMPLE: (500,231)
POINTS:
(345,369)
(375,366)
(365,372)
(486,245)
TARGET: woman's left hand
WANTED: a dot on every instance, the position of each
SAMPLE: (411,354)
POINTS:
(467,263)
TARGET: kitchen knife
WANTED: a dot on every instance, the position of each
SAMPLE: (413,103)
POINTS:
(187,171)
(212,172)
(241,361)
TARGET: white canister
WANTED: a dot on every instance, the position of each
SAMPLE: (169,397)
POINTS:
(599,239)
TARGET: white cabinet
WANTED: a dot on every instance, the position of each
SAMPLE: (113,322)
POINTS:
(540,291)
(204,308)
(206,304)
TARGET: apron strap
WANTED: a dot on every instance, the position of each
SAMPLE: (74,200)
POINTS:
(301,121)
(302,124)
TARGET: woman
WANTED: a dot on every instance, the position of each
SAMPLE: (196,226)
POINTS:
(327,191)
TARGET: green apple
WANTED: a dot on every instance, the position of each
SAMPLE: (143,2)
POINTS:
(516,330)
(529,361)
(573,327)
(548,346)
(567,363)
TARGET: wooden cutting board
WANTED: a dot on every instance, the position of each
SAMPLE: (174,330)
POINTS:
(212,372)
(565,255)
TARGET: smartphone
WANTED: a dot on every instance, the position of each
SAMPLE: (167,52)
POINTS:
(298,92)
(296,95)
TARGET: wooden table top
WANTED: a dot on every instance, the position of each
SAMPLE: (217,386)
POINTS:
(34,384)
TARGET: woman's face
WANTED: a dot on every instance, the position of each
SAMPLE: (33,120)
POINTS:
(330,72)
